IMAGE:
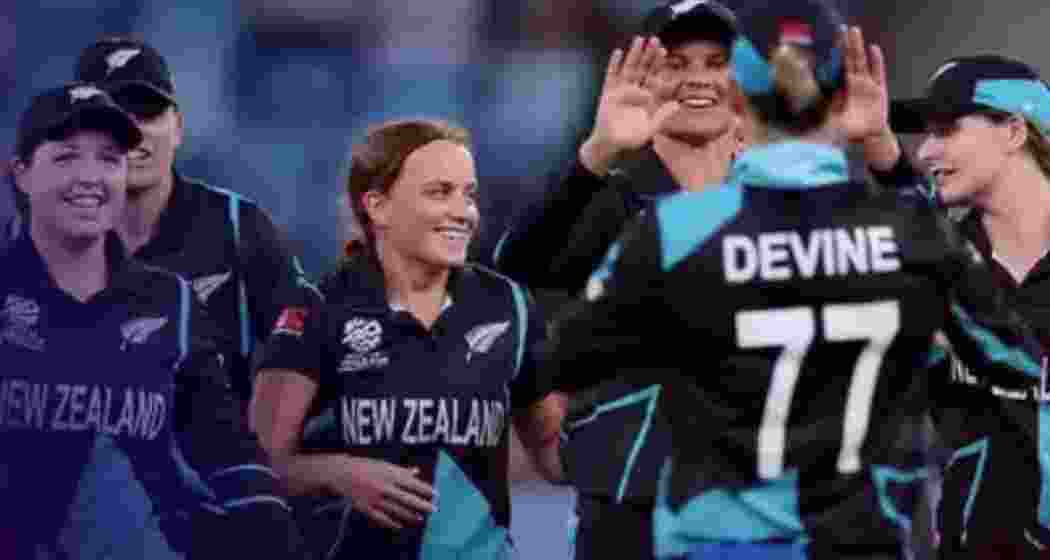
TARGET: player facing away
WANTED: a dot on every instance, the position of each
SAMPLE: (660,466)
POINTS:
(790,313)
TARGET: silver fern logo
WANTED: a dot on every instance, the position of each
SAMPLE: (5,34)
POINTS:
(83,93)
(481,338)
(119,59)
(138,331)
(205,286)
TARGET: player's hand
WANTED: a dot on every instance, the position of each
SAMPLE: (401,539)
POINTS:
(867,110)
(390,495)
(865,119)
(627,113)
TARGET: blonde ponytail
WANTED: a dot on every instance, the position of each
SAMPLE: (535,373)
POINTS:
(793,78)
(1039,146)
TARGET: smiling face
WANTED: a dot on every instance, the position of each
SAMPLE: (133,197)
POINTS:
(162,130)
(430,213)
(696,74)
(964,155)
(75,185)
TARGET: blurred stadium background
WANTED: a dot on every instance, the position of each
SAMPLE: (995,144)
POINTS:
(275,91)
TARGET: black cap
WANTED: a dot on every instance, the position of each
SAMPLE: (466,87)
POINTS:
(119,63)
(56,112)
(764,25)
(684,20)
(974,84)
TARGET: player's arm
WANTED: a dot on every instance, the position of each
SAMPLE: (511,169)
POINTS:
(273,277)
(288,381)
(537,412)
(213,437)
(622,318)
(981,329)
(540,236)
(866,118)
(285,388)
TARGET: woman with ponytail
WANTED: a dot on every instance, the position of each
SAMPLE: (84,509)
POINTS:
(986,120)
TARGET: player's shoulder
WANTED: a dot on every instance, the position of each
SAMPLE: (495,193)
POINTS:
(152,281)
(480,277)
(218,197)
(686,220)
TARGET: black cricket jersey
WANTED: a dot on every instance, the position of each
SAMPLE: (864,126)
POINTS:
(439,400)
(997,484)
(119,436)
(790,314)
(614,440)
(237,262)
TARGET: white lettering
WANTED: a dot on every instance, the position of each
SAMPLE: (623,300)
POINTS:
(779,256)
(94,414)
(364,413)
(807,255)
(57,421)
(474,424)
(77,407)
(387,417)
(127,414)
(457,438)
(425,419)
(852,250)
(774,256)
(406,436)
(883,249)
(159,411)
(827,253)
(441,431)
(739,259)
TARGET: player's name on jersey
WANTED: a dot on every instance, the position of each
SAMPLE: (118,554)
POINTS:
(450,421)
(786,255)
(75,408)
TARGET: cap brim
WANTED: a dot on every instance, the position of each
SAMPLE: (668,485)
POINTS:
(703,22)
(114,88)
(105,118)
(911,116)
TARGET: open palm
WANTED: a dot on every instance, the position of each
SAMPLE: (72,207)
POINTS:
(866,112)
(626,117)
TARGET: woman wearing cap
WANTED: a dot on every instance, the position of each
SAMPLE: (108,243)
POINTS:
(386,407)
(668,97)
(116,424)
(795,377)
(986,120)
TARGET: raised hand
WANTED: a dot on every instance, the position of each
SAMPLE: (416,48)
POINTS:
(867,109)
(865,118)
(627,113)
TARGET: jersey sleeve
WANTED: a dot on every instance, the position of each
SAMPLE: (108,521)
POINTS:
(907,181)
(273,277)
(542,250)
(530,384)
(214,440)
(622,317)
(296,342)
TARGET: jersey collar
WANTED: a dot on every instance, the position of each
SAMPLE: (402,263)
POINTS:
(33,270)
(362,284)
(175,222)
(790,165)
